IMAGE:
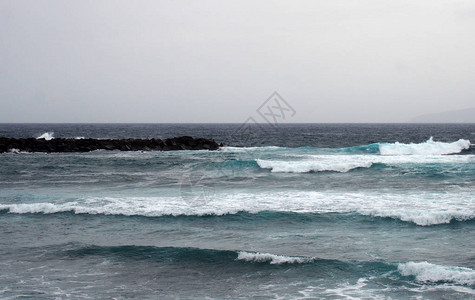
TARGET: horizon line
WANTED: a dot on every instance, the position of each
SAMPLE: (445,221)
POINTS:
(231,123)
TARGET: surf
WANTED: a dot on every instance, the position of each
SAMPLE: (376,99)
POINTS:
(423,272)
(420,208)
(430,147)
(346,163)
(47,136)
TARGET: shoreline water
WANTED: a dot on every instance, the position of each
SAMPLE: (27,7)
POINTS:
(341,211)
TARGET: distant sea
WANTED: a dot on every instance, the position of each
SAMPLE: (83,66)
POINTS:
(293,211)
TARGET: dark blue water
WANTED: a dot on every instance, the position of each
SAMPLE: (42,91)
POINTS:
(301,211)
(284,135)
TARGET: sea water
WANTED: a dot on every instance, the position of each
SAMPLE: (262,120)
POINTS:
(299,211)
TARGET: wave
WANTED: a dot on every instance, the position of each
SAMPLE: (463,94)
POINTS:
(177,254)
(266,215)
(430,147)
(47,136)
(15,151)
(420,208)
(424,272)
(188,272)
(427,272)
(272,258)
(334,163)
(346,163)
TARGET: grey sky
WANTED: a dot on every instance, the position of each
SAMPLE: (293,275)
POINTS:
(217,61)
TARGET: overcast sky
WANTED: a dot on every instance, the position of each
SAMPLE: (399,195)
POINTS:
(217,61)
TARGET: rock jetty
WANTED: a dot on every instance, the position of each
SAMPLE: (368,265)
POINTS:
(86,145)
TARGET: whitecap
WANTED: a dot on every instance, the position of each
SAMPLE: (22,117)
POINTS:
(430,147)
(47,136)
(14,150)
(345,163)
(336,163)
(421,208)
(427,272)
(273,259)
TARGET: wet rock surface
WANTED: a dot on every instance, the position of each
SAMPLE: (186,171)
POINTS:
(86,145)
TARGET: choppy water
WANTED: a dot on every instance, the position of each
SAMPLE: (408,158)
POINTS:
(303,211)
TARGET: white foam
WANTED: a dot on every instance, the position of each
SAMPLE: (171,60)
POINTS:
(422,217)
(14,150)
(345,163)
(47,136)
(247,149)
(337,163)
(430,147)
(272,258)
(443,287)
(427,272)
(45,208)
(421,208)
(353,291)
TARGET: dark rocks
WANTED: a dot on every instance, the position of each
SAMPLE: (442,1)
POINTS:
(86,145)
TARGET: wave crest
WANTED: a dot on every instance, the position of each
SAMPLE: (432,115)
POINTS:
(346,163)
(430,147)
(47,136)
(334,163)
(423,209)
(273,259)
(427,272)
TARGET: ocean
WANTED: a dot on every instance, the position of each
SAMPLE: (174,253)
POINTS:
(293,211)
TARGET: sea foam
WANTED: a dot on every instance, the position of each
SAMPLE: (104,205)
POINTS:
(427,272)
(430,147)
(47,136)
(336,163)
(421,208)
(273,259)
(429,152)
(345,163)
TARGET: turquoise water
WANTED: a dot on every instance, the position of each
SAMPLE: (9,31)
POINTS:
(341,216)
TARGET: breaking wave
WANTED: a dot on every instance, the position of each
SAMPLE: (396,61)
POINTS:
(336,163)
(427,272)
(430,147)
(272,258)
(47,136)
(345,163)
(424,272)
(423,209)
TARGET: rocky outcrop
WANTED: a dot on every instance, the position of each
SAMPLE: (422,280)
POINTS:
(86,145)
